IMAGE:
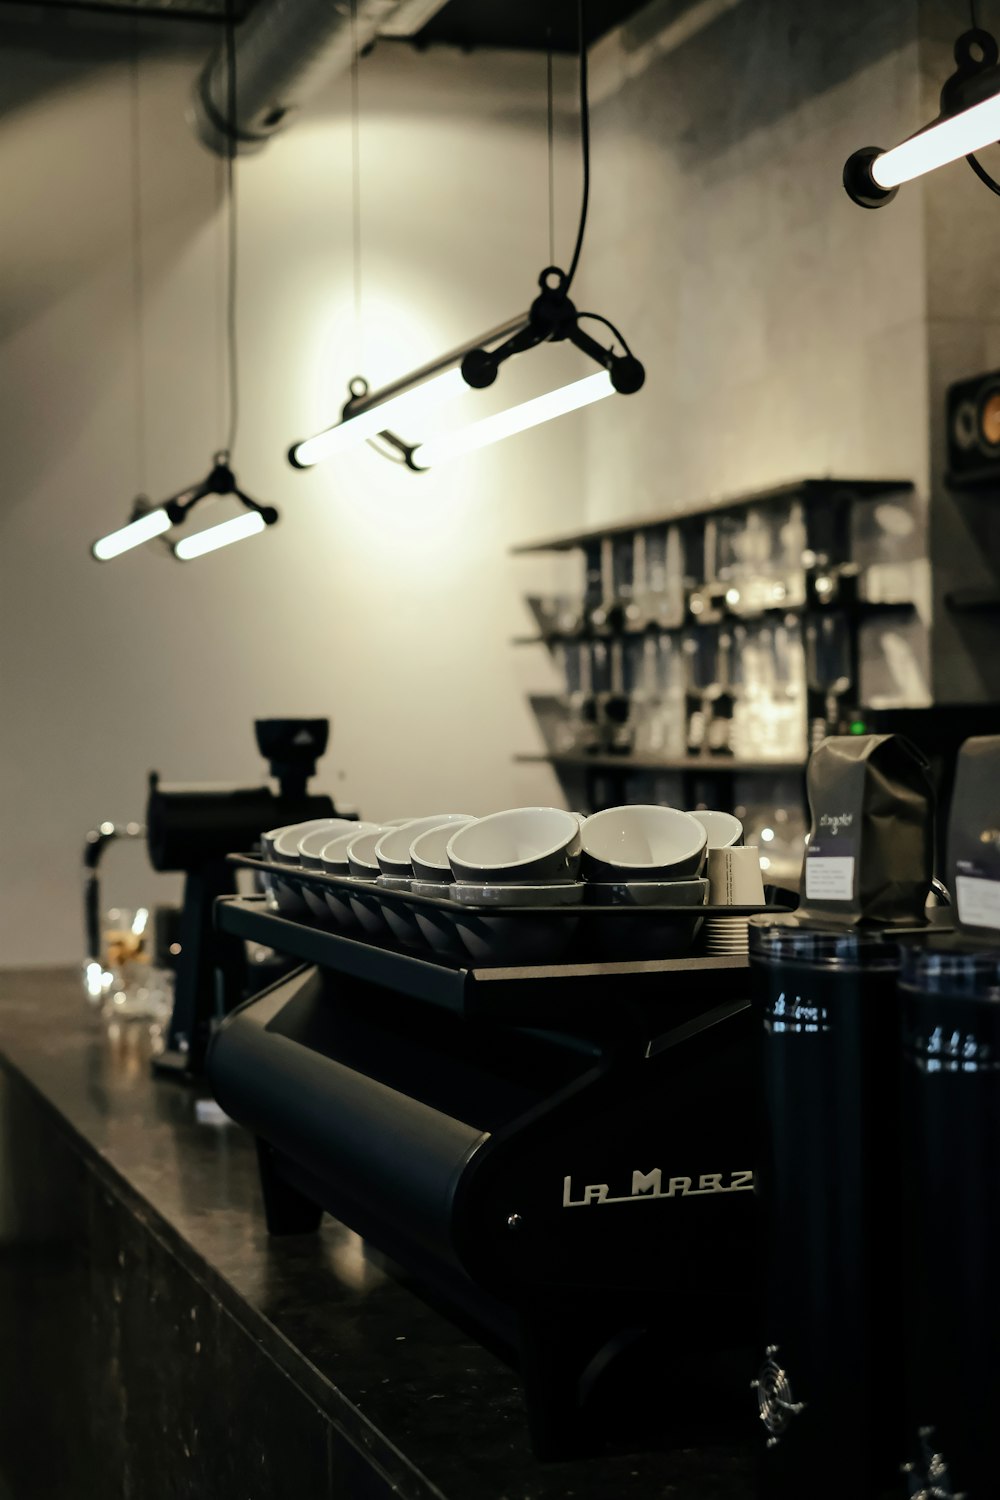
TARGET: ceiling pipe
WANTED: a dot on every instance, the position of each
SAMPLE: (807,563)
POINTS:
(285,49)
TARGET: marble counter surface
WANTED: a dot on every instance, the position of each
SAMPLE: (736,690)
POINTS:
(423,1404)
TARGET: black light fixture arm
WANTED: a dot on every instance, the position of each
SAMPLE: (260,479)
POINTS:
(220,480)
(552,318)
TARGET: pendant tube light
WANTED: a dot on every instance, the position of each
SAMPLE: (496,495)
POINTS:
(969,120)
(943,142)
(367,415)
(235,530)
(551,318)
(515,419)
(143,529)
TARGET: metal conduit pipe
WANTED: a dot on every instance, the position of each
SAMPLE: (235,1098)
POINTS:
(284,50)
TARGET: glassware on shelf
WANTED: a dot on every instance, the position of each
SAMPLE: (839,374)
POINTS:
(593,585)
(577,728)
(761,559)
(659,596)
(793,545)
(707,681)
(617,609)
(615,705)
(769,696)
(828,669)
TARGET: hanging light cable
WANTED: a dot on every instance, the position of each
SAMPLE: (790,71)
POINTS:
(969,119)
(221,480)
(551,318)
(146,523)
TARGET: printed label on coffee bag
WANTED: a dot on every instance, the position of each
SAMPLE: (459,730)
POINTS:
(978,901)
(829,877)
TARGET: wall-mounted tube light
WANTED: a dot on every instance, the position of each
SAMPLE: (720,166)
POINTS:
(213,537)
(144,528)
(146,525)
(504,424)
(968,121)
(367,415)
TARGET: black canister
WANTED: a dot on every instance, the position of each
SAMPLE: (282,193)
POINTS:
(951,1181)
(828,1389)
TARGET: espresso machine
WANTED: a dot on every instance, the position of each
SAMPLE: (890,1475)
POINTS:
(559,1153)
(191,829)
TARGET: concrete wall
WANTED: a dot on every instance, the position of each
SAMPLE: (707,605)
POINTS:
(383,599)
(786,333)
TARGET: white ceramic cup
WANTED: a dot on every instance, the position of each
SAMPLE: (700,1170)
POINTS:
(333,855)
(312,844)
(640,842)
(283,843)
(429,853)
(724,829)
(361,861)
(535,845)
(393,849)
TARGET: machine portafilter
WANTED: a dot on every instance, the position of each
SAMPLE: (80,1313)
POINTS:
(191,829)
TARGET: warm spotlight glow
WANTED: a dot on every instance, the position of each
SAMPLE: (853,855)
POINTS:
(406,408)
(213,537)
(942,142)
(515,419)
(154,523)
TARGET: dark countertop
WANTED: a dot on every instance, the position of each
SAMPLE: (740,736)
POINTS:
(437,1413)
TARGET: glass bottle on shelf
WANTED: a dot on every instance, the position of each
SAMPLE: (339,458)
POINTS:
(593,585)
(661,597)
(828,669)
(706,665)
(617,707)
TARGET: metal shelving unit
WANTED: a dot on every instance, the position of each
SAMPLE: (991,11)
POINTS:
(834,585)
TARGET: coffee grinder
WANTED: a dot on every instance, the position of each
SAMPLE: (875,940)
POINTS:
(192,829)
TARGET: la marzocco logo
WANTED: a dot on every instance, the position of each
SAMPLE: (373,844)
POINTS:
(836,822)
(647,1185)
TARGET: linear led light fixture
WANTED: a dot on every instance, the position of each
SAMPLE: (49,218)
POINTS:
(551,319)
(515,419)
(969,120)
(213,537)
(368,414)
(146,524)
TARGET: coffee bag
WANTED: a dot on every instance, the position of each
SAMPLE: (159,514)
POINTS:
(974,838)
(870,853)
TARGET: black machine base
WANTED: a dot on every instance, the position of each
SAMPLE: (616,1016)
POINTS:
(571,1178)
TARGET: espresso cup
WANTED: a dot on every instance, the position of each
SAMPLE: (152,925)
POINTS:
(429,853)
(282,844)
(393,850)
(725,831)
(643,843)
(361,861)
(533,845)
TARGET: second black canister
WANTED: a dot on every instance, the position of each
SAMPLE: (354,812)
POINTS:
(951,1176)
(829,1384)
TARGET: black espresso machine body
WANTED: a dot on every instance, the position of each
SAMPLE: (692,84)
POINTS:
(562,1154)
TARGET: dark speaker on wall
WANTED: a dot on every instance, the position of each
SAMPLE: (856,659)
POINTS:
(973,414)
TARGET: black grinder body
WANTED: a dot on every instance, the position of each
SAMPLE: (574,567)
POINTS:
(192,829)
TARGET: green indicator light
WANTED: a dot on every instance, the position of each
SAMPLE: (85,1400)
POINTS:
(859,726)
